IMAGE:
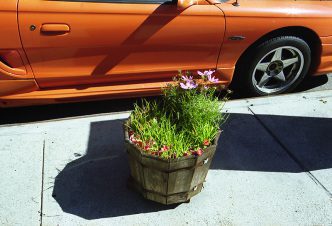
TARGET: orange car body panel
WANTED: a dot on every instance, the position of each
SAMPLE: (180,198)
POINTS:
(112,42)
(54,51)
(15,73)
(254,19)
(325,65)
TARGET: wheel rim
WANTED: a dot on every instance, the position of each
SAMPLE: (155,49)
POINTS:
(278,69)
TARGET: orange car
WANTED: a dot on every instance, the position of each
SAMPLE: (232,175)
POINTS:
(55,51)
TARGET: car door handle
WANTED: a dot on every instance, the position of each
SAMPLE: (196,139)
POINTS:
(55,28)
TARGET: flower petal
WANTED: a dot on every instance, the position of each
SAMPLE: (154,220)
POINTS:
(183,86)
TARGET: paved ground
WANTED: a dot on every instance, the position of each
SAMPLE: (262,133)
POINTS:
(273,167)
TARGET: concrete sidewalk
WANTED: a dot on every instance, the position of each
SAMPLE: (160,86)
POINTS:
(273,166)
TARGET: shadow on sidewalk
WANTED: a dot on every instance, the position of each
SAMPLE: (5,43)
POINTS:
(311,82)
(94,186)
(246,145)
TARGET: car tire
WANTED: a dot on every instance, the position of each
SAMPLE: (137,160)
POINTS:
(276,66)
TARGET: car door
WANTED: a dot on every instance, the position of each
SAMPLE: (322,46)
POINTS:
(15,73)
(74,42)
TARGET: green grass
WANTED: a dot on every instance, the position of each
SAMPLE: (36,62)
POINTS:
(182,122)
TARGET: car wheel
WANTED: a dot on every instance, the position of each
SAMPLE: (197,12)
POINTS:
(277,66)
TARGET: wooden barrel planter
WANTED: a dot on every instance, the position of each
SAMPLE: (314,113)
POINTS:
(167,181)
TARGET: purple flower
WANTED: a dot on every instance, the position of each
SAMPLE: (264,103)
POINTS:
(207,75)
(188,85)
(187,79)
(212,79)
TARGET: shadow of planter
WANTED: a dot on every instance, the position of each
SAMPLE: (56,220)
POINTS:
(94,186)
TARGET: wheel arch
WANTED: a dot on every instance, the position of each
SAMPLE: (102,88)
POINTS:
(307,34)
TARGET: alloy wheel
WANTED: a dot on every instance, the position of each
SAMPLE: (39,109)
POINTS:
(278,70)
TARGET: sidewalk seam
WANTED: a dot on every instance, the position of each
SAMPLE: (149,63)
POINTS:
(42,187)
(293,157)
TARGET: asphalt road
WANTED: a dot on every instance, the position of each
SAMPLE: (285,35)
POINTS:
(53,112)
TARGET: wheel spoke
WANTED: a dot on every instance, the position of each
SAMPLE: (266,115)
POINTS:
(281,76)
(262,66)
(277,55)
(290,61)
(265,78)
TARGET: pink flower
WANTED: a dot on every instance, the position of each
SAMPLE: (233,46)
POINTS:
(212,79)
(207,75)
(188,85)
(206,142)
(132,138)
(187,79)
(164,148)
(199,152)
